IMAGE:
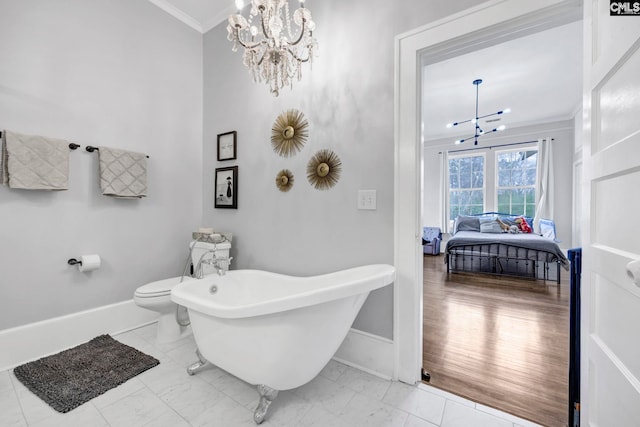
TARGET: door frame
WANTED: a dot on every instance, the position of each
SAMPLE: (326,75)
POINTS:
(488,23)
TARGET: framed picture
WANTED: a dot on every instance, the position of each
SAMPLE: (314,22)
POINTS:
(226,188)
(227,143)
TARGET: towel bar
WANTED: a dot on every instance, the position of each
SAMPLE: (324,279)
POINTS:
(91,149)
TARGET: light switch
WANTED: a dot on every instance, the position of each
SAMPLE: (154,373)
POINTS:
(367,200)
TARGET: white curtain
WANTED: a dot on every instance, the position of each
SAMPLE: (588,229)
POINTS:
(544,204)
(444,191)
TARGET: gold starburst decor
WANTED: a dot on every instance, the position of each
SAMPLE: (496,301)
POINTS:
(289,133)
(284,180)
(323,170)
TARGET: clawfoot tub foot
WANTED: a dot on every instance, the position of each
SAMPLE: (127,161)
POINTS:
(267,395)
(199,365)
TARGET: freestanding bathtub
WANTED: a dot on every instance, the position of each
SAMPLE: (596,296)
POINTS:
(272,330)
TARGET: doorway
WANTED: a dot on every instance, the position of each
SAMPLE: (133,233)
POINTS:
(502,342)
(469,30)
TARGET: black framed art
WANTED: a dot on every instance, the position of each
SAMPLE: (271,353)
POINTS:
(227,145)
(226,188)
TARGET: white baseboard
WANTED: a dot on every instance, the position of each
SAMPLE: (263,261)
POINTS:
(361,350)
(35,340)
(367,352)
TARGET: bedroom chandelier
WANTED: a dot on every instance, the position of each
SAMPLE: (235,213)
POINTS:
(479,131)
(272,51)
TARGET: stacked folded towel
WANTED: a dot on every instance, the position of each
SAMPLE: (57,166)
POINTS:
(33,162)
(123,173)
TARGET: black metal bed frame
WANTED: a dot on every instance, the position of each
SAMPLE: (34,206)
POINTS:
(502,259)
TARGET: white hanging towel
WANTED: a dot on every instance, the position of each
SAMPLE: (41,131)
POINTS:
(122,173)
(33,162)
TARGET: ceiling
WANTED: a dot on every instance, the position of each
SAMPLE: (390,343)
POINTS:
(538,76)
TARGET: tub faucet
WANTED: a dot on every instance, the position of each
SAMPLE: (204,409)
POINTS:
(221,264)
(191,248)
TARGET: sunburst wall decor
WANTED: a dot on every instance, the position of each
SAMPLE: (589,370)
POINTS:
(284,180)
(289,133)
(323,170)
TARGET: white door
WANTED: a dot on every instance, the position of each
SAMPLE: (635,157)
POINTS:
(610,362)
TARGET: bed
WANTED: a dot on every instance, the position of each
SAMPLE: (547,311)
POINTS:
(480,245)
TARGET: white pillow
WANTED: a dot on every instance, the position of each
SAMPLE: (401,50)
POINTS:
(490,225)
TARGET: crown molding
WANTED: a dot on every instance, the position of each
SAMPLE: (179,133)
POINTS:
(178,14)
(218,19)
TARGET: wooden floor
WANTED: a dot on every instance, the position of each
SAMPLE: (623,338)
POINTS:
(502,342)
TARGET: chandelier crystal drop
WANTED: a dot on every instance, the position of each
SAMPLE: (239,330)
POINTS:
(476,121)
(273,50)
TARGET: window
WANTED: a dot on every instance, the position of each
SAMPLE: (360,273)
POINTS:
(516,182)
(511,174)
(466,185)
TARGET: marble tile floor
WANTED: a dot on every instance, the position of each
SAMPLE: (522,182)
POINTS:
(165,396)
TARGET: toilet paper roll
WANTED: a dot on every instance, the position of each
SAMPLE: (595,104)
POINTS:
(89,262)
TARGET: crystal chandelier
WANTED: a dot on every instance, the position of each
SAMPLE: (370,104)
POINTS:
(273,52)
(479,131)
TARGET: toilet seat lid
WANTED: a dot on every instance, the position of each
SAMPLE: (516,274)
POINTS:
(157,288)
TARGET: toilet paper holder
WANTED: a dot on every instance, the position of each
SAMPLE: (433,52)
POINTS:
(86,263)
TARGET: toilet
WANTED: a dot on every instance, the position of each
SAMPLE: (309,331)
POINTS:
(156,296)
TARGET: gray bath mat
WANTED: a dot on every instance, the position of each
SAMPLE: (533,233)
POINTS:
(72,377)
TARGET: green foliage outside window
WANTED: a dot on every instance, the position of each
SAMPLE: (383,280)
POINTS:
(516,188)
(515,183)
(466,186)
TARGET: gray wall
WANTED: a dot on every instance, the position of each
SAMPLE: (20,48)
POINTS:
(563,148)
(123,73)
(348,99)
(120,73)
